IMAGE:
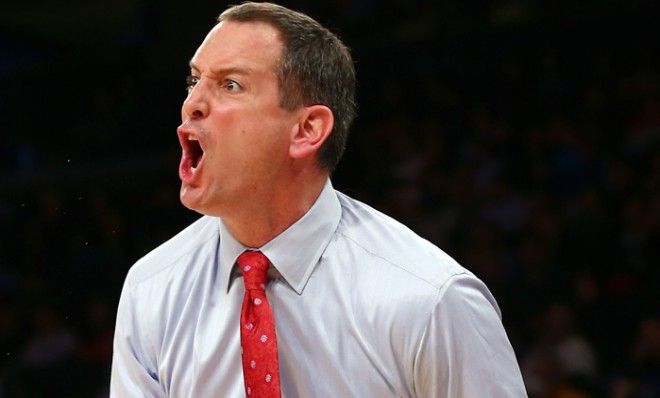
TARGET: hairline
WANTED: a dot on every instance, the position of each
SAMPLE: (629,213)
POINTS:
(293,89)
(279,62)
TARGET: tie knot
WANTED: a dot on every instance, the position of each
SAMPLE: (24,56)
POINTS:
(254,266)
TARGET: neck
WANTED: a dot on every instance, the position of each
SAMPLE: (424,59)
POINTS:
(274,210)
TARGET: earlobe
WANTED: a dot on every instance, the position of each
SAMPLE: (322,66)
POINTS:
(314,127)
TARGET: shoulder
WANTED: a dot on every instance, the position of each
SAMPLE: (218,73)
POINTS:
(159,284)
(387,241)
(198,236)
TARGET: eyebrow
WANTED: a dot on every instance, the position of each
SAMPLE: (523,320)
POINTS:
(224,70)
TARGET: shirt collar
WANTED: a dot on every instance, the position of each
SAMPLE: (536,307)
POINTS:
(296,251)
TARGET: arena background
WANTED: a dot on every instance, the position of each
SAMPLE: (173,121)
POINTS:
(521,136)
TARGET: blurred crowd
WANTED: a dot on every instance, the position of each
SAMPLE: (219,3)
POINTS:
(522,139)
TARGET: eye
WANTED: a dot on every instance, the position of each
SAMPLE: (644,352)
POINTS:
(232,85)
(191,81)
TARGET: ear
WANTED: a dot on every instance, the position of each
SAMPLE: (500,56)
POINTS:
(314,127)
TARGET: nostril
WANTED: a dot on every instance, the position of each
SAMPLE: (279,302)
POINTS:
(197,113)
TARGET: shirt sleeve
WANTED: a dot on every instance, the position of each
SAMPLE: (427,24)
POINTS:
(133,375)
(464,351)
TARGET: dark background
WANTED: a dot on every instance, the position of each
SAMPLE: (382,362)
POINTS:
(520,136)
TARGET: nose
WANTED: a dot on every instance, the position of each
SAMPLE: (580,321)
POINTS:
(196,106)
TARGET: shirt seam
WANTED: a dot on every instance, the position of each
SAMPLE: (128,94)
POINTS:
(401,267)
(144,279)
(441,295)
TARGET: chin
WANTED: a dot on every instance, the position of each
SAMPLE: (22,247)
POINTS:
(198,207)
(185,196)
(202,201)
(188,205)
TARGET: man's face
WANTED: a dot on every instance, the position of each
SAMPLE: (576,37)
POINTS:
(235,136)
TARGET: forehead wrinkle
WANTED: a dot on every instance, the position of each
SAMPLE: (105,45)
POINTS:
(229,59)
(224,70)
(233,70)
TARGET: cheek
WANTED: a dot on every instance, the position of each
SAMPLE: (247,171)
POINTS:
(248,135)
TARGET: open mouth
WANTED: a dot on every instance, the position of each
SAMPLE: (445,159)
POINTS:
(195,151)
(192,156)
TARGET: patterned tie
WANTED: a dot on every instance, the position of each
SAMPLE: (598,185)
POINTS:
(260,369)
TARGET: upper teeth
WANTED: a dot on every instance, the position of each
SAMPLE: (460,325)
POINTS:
(191,138)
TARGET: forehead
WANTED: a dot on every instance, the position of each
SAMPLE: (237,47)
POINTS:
(248,45)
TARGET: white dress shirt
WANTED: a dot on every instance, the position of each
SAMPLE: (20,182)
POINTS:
(363,308)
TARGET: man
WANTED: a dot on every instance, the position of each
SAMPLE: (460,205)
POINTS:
(349,303)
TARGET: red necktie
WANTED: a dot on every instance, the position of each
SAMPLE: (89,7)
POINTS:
(260,369)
